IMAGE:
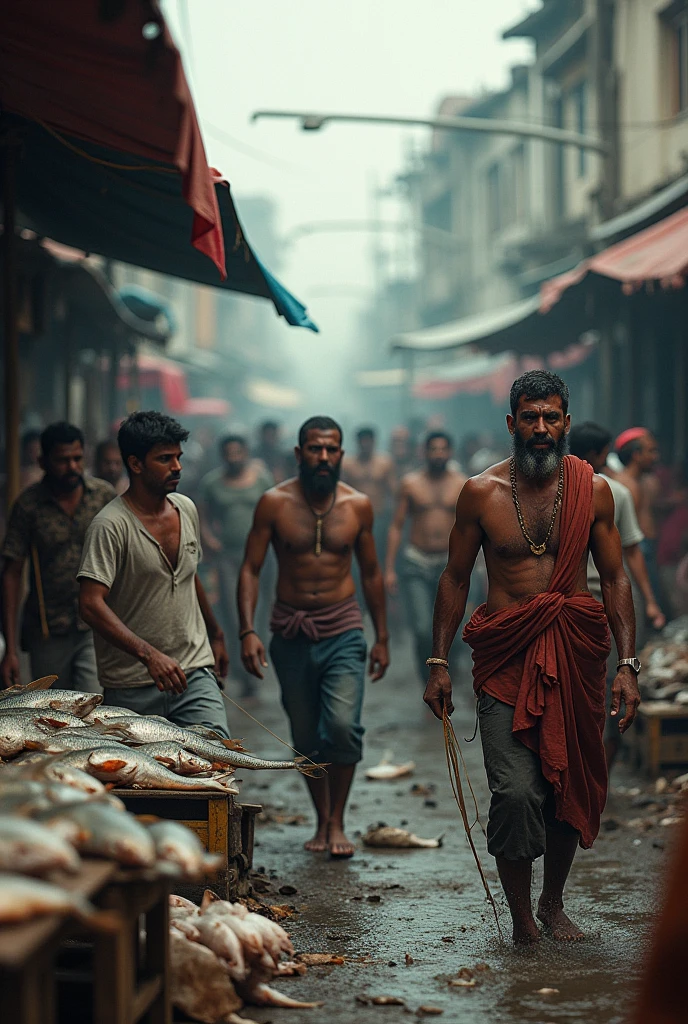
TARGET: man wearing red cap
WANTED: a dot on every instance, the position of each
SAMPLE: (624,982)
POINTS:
(639,454)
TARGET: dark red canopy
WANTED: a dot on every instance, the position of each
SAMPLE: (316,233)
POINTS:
(107,71)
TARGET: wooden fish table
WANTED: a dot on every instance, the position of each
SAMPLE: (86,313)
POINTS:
(660,736)
(110,975)
(222,824)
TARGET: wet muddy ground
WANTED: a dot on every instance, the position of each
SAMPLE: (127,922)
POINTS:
(386,905)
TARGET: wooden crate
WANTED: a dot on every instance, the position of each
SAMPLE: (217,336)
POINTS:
(120,981)
(223,826)
(660,736)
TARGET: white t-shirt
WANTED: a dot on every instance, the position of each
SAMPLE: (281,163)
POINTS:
(626,523)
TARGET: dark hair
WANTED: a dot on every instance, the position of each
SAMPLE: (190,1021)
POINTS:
(538,384)
(141,431)
(438,435)
(319,423)
(588,437)
(364,432)
(231,439)
(28,436)
(59,433)
(268,425)
(629,449)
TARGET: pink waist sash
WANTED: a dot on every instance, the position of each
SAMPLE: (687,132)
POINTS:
(316,624)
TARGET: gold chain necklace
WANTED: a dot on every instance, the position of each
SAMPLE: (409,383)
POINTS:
(537,549)
(320,518)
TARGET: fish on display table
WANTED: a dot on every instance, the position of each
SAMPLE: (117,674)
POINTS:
(129,767)
(98,830)
(104,712)
(178,846)
(74,739)
(177,758)
(33,848)
(19,729)
(48,717)
(24,898)
(143,730)
(73,701)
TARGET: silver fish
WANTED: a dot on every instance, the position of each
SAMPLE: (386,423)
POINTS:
(176,757)
(74,701)
(177,845)
(27,797)
(17,731)
(46,716)
(55,769)
(145,730)
(29,847)
(127,767)
(399,838)
(74,739)
(44,683)
(98,830)
(107,711)
(24,898)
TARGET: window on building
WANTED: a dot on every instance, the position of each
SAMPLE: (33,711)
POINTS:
(579,98)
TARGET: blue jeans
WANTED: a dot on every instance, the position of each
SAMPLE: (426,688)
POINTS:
(322,692)
(201,702)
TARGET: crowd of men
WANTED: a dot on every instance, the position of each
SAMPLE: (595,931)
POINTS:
(302,543)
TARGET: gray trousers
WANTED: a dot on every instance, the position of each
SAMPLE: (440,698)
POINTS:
(71,657)
(419,581)
(201,702)
(522,806)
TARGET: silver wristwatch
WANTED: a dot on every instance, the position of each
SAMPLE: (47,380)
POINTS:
(631,662)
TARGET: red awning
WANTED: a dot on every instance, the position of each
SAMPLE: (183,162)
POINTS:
(85,69)
(659,253)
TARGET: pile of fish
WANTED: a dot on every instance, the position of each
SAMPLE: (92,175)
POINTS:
(224,956)
(59,735)
(665,664)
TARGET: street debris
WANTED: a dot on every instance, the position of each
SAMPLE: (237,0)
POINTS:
(319,959)
(408,959)
(399,838)
(547,992)
(420,789)
(386,769)
(429,1011)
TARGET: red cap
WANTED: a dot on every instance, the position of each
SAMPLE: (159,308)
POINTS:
(632,434)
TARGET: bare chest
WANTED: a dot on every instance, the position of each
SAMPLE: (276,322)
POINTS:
(298,531)
(509,539)
(427,496)
(167,531)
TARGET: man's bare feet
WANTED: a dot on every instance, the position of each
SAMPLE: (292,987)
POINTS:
(558,923)
(318,844)
(338,844)
(526,932)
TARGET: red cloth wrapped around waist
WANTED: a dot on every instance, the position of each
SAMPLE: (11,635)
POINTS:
(547,658)
(316,624)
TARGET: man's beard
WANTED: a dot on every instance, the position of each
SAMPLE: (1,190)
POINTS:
(437,467)
(67,484)
(536,464)
(315,482)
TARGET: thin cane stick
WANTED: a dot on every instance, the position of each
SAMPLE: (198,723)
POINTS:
(454,755)
(273,734)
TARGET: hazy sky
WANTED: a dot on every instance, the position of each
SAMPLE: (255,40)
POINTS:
(368,56)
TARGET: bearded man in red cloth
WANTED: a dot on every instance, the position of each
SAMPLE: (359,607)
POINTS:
(540,646)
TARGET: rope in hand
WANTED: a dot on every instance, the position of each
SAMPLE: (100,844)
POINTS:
(273,734)
(454,763)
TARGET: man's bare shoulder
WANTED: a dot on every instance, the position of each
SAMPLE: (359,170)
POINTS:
(485,483)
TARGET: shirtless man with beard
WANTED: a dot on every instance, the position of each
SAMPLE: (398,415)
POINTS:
(316,525)
(429,497)
(540,645)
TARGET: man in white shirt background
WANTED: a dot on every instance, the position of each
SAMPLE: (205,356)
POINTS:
(591,443)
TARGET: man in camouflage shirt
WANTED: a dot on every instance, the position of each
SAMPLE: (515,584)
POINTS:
(47,526)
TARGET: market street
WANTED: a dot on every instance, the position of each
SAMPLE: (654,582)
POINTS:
(429,904)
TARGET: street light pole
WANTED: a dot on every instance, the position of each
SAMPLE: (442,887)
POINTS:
(492,126)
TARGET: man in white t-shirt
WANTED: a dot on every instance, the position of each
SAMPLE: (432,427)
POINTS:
(590,442)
